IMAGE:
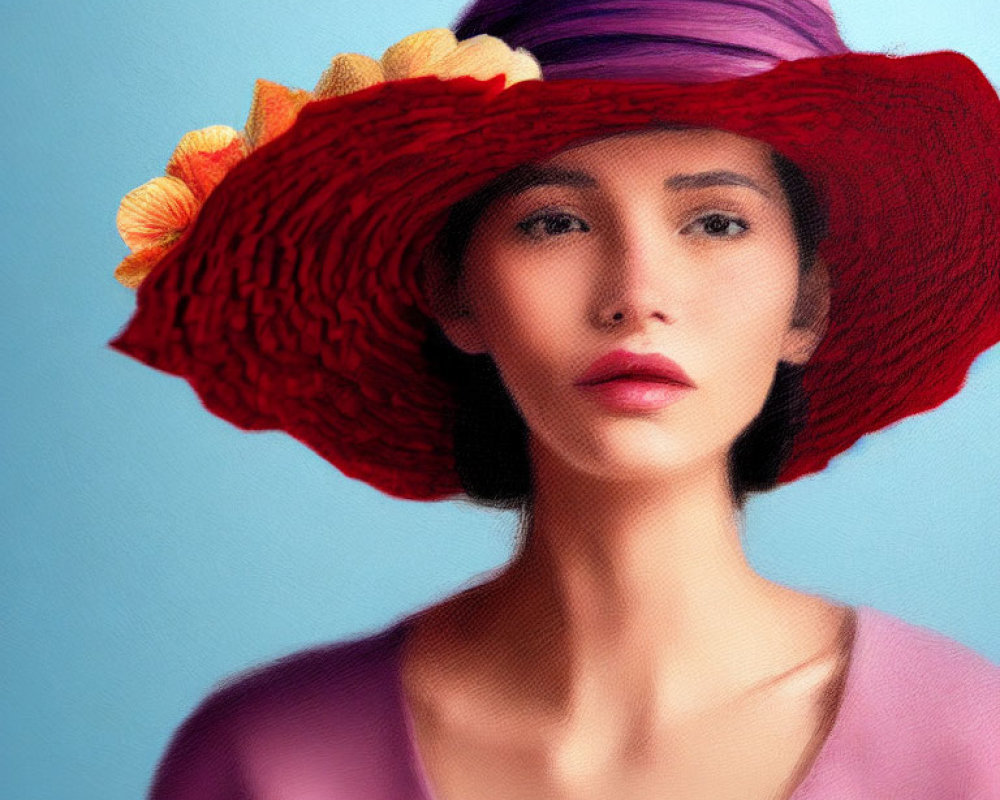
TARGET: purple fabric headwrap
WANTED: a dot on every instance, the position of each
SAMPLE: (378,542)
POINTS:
(676,41)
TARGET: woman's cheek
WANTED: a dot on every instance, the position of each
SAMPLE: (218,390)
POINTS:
(739,374)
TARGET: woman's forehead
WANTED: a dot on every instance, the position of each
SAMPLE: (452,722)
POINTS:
(677,159)
(669,145)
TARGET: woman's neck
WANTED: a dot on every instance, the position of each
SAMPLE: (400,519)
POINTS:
(623,597)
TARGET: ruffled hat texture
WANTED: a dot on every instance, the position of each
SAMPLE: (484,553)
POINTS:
(278,267)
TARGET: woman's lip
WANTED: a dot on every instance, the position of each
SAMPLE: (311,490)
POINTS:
(642,367)
(636,377)
(635,394)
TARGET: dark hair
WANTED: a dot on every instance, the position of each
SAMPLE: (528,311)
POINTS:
(490,436)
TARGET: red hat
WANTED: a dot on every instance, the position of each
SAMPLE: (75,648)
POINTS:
(278,268)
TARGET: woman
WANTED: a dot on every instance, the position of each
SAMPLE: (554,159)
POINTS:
(604,298)
(633,567)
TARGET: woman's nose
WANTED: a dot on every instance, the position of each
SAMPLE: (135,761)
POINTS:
(636,282)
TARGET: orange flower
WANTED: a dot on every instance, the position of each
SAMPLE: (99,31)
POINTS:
(152,217)
(203,157)
(272,111)
(159,207)
(134,268)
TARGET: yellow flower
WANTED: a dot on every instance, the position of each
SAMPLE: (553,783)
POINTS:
(436,52)
(408,57)
(431,52)
(347,73)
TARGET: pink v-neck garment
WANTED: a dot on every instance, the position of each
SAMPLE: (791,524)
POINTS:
(919,719)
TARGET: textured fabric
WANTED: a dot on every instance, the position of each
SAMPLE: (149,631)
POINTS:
(679,41)
(294,301)
(919,719)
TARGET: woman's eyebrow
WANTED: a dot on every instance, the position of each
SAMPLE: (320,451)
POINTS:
(718,177)
(529,176)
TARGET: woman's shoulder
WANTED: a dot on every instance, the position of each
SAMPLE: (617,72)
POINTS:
(920,703)
(327,718)
(920,667)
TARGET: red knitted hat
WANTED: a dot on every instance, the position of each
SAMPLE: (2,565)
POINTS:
(278,268)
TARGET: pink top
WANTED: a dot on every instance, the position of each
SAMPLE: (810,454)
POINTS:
(919,719)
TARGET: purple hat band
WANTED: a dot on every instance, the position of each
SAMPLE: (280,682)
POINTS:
(666,40)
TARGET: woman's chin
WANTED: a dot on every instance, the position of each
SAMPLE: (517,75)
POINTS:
(642,456)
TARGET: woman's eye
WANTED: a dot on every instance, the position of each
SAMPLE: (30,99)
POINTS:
(552,224)
(718,226)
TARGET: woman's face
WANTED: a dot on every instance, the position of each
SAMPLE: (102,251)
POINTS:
(678,243)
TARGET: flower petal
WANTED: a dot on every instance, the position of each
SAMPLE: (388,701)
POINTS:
(273,110)
(411,57)
(484,57)
(480,57)
(203,157)
(522,66)
(135,267)
(162,206)
(347,73)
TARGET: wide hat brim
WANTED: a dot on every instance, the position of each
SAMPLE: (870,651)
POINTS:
(293,302)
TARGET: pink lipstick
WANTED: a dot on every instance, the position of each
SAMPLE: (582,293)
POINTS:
(626,381)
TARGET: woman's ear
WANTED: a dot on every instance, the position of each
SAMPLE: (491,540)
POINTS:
(811,316)
(449,304)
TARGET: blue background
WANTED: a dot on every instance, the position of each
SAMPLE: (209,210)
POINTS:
(149,548)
